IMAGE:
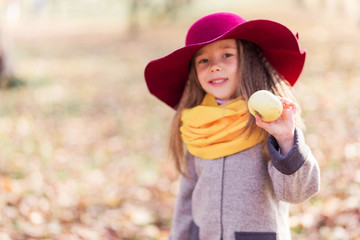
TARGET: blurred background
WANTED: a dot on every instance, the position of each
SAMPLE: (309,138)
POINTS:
(84,145)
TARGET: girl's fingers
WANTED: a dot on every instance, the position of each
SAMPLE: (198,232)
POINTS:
(258,118)
(288,105)
(261,123)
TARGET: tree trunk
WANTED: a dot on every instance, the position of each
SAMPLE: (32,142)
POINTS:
(6,71)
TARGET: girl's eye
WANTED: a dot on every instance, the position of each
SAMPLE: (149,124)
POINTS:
(226,55)
(203,61)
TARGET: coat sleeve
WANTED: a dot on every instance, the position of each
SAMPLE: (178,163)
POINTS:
(296,176)
(183,226)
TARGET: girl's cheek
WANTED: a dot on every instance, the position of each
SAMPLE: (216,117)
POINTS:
(201,67)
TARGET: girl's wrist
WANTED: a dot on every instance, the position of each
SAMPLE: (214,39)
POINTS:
(286,143)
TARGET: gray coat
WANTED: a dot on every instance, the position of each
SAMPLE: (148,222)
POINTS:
(243,196)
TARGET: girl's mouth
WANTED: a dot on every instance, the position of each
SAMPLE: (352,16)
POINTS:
(218,81)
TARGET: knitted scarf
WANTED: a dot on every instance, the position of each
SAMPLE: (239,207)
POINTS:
(210,131)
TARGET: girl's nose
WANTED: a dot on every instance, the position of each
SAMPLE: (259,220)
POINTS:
(215,67)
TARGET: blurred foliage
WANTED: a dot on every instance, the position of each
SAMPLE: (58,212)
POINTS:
(84,143)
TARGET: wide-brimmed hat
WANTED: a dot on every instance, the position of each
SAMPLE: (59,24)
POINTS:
(166,76)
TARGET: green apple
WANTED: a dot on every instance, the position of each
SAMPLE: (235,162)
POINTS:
(266,105)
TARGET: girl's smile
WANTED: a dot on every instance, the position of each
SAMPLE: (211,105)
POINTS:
(218,81)
(217,68)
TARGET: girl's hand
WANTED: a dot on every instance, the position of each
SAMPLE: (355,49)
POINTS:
(283,129)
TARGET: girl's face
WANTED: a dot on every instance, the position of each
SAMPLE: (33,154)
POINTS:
(216,66)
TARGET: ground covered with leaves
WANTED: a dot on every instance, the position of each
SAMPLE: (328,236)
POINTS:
(84,144)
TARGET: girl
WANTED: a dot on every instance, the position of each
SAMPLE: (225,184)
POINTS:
(239,174)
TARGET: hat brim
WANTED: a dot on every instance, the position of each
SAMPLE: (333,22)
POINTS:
(166,77)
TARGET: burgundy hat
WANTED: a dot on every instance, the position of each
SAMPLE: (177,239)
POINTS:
(166,77)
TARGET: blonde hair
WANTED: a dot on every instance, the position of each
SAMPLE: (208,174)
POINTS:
(255,73)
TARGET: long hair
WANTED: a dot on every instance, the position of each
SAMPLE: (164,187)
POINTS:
(255,73)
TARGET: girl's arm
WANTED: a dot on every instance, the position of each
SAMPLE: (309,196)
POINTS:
(183,226)
(294,170)
(296,175)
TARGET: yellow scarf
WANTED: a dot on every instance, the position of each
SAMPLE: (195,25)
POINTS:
(211,131)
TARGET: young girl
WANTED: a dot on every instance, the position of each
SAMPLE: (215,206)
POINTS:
(239,174)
